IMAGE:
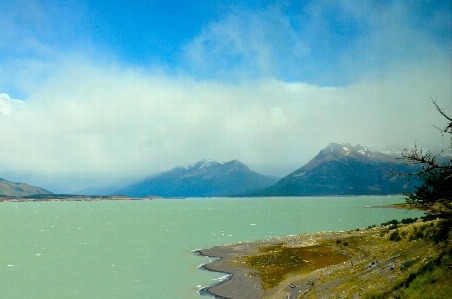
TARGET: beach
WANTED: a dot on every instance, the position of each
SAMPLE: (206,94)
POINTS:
(371,261)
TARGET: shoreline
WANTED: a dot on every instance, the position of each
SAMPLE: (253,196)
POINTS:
(242,281)
(70,197)
(205,290)
(238,282)
(373,260)
(74,197)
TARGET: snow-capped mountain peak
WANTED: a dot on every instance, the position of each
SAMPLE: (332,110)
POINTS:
(204,163)
(348,150)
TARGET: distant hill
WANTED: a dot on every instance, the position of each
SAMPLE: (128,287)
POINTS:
(343,169)
(205,178)
(8,188)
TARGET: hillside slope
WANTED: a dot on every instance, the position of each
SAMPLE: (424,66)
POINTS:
(343,169)
(8,188)
(205,178)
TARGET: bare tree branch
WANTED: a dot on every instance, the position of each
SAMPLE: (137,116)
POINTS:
(440,110)
(436,175)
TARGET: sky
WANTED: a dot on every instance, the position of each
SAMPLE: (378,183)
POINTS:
(104,93)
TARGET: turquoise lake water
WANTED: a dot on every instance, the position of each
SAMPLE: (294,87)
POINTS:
(143,249)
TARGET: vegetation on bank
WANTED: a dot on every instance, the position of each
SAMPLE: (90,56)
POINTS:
(393,260)
(433,280)
(274,262)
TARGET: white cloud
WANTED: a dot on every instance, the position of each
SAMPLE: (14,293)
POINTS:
(93,125)
(278,117)
(8,105)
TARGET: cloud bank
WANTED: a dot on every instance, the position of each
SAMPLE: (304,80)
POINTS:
(269,86)
(98,125)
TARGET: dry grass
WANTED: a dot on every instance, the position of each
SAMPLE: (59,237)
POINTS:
(275,262)
(369,263)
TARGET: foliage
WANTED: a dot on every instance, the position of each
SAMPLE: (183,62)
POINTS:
(442,230)
(433,280)
(417,234)
(393,222)
(276,261)
(435,189)
(395,236)
(408,220)
(436,177)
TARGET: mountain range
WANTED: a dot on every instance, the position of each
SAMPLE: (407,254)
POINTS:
(8,188)
(343,169)
(206,178)
(338,169)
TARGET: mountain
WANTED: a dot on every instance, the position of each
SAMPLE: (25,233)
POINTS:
(8,188)
(343,169)
(206,178)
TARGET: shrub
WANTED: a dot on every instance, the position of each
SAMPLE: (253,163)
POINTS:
(417,235)
(392,226)
(393,222)
(408,220)
(442,231)
(395,236)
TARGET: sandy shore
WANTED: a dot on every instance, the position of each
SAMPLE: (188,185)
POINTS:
(373,261)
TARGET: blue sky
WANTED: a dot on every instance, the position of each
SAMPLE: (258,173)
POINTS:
(101,92)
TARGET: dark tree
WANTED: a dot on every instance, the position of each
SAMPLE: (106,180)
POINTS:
(435,175)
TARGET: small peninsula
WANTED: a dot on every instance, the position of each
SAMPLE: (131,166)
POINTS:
(362,263)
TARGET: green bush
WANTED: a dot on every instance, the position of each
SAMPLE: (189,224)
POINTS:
(392,226)
(393,222)
(442,230)
(395,236)
(408,220)
(417,235)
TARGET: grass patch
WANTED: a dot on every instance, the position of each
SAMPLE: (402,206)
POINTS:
(275,262)
(435,283)
(433,279)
